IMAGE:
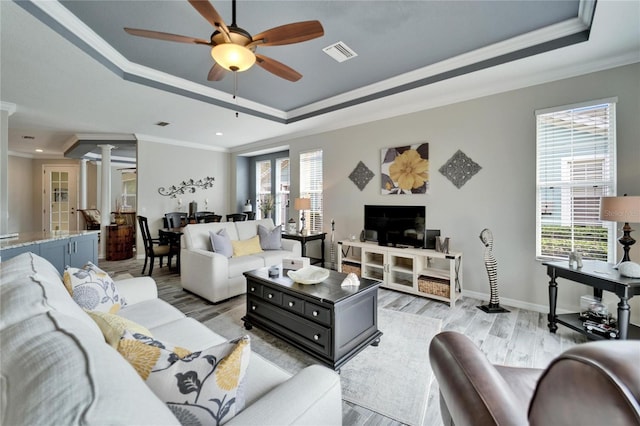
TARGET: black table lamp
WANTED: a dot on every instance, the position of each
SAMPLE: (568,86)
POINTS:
(622,209)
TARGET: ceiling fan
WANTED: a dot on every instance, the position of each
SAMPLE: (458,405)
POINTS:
(233,48)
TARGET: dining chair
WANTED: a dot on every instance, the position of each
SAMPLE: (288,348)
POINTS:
(212,218)
(153,247)
(176,219)
(91,218)
(199,216)
(236,217)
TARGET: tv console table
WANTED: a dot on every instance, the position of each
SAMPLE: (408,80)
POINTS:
(421,272)
(601,276)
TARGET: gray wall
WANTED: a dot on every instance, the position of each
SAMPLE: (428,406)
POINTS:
(20,181)
(498,133)
(163,165)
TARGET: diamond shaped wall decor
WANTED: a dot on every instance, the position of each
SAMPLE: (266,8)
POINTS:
(361,175)
(459,169)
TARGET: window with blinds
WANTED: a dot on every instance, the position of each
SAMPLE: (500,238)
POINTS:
(576,165)
(311,187)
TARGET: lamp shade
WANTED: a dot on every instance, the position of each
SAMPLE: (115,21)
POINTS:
(233,57)
(302,203)
(620,209)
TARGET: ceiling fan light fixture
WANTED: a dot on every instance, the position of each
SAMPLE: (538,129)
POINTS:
(233,57)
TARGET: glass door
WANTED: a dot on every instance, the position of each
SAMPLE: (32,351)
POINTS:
(263,189)
(60,198)
(282,191)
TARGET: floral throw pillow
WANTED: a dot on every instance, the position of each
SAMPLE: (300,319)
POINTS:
(93,289)
(205,387)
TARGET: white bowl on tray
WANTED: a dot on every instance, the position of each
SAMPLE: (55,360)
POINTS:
(309,275)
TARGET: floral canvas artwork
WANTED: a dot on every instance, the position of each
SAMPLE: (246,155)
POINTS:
(405,169)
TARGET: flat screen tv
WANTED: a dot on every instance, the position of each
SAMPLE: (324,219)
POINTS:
(397,226)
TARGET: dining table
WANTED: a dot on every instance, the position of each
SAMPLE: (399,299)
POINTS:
(173,236)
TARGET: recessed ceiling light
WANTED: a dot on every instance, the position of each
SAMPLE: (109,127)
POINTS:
(218,133)
(39,150)
(162,123)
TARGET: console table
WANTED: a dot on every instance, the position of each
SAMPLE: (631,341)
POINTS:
(303,241)
(602,277)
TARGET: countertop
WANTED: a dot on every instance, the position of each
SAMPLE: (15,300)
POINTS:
(37,237)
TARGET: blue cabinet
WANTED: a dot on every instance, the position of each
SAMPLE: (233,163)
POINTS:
(73,250)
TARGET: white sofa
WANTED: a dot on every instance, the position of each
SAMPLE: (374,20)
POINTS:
(216,277)
(56,368)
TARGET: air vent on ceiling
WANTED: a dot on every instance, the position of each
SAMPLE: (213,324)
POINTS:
(162,123)
(340,51)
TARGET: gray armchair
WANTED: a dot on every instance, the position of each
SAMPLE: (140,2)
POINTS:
(594,383)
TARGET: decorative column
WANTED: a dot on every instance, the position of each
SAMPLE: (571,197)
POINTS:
(6,109)
(105,199)
(83,183)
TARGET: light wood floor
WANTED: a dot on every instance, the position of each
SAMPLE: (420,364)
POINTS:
(517,338)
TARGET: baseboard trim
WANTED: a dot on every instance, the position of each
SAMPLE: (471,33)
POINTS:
(515,303)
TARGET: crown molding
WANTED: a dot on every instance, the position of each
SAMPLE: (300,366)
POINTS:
(8,106)
(515,48)
(175,142)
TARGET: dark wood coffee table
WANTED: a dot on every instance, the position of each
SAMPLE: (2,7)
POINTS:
(327,321)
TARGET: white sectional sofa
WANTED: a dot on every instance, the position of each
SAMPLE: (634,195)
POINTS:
(56,368)
(216,277)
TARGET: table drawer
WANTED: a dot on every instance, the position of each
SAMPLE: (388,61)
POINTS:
(254,288)
(271,295)
(304,332)
(317,313)
(293,303)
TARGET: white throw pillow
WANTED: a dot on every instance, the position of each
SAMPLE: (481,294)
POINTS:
(205,387)
(93,289)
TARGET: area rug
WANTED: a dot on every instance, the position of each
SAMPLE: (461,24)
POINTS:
(392,379)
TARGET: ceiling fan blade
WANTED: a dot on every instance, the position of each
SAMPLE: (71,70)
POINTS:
(277,68)
(216,73)
(166,36)
(210,13)
(290,33)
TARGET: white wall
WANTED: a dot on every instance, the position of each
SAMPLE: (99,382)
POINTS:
(498,133)
(163,165)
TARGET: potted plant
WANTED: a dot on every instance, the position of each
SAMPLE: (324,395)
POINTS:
(266,205)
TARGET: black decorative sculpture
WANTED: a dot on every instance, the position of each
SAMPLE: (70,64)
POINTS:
(186,186)
(492,270)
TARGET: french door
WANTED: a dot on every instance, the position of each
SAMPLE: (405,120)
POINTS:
(59,198)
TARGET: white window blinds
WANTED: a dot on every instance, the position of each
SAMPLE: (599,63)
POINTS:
(576,165)
(311,187)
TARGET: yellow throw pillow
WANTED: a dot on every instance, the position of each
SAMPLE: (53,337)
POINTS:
(113,326)
(246,247)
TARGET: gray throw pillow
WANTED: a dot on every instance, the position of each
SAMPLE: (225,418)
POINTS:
(221,242)
(270,240)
